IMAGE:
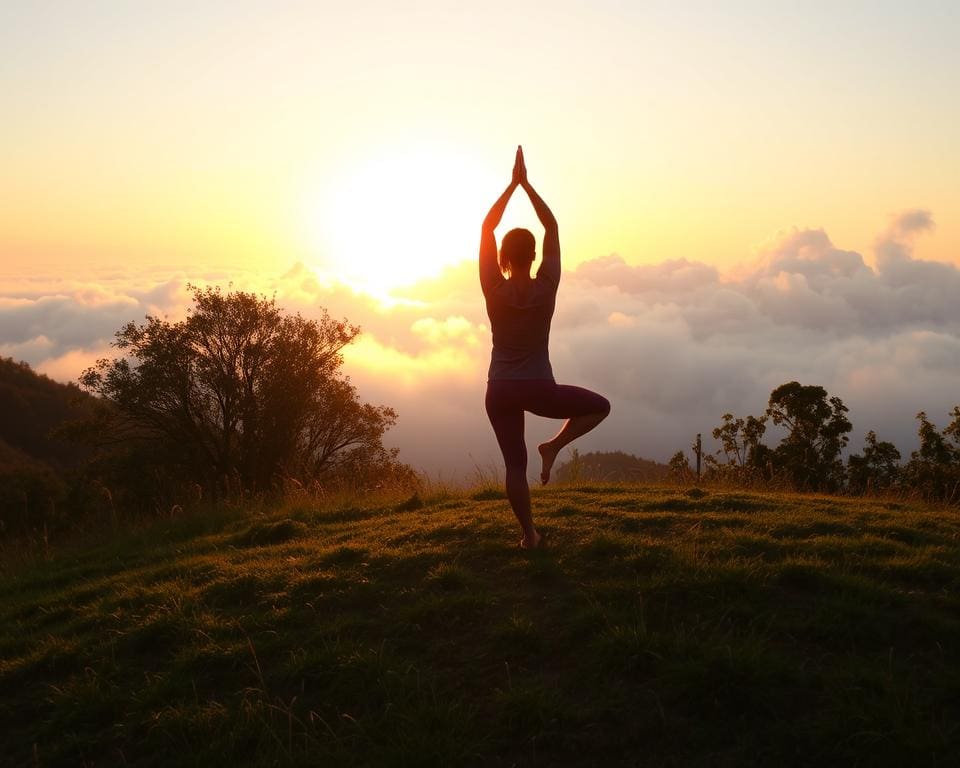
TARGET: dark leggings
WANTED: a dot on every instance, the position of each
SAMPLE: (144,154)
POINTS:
(507,399)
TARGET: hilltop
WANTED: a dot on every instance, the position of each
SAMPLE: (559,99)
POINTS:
(31,407)
(611,467)
(37,467)
(664,626)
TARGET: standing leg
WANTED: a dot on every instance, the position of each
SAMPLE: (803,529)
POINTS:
(508,426)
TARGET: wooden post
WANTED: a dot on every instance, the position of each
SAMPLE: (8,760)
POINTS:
(699,449)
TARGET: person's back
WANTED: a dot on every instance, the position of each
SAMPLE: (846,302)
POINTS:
(520,316)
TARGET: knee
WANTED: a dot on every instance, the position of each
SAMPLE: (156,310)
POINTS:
(604,410)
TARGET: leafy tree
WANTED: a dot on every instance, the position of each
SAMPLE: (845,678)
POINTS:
(240,394)
(933,470)
(877,469)
(817,431)
(680,467)
(952,431)
(740,440)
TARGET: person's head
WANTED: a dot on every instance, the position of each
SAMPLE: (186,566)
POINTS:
(517,250)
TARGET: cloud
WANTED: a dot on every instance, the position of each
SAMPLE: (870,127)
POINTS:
(677,277)
(673,345)
(688,344)
(66,367)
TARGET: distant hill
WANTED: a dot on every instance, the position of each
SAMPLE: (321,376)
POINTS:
(31,407)
(610,466)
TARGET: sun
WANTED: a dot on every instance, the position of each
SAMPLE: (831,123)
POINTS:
(399,215)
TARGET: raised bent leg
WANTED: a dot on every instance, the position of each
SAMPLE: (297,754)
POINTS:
(592,408)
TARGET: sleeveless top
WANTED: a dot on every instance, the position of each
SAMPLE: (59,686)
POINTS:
(521,327)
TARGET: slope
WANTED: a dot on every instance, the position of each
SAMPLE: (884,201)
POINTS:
(665,626)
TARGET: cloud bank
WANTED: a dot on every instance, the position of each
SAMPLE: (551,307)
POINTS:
(673,345)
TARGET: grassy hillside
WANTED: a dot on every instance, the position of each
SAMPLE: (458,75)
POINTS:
(664,626)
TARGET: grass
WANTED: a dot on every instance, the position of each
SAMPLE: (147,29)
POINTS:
(662,627)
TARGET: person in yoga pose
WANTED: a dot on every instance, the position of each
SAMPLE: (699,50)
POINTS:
(520,378)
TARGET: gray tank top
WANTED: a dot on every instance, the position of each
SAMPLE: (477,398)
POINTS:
(521,328)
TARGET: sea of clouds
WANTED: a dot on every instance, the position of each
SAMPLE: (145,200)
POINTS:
(673,345)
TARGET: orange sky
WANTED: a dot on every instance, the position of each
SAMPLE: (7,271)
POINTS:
(335,151)
(257,134)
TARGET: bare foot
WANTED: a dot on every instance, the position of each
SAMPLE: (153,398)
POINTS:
(548,455)
(538,541)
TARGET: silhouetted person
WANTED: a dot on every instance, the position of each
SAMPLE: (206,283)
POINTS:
(520,379)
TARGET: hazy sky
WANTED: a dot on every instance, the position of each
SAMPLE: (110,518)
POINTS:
(144,145)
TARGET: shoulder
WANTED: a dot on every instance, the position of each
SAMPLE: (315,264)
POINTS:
(492,283)
(545,284)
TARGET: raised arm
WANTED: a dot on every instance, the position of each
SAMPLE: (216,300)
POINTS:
(490,273)
(550,264)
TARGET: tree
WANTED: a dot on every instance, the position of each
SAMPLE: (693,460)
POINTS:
(680,467)
(745,456)
(877,469)
(240,392)
(952,431)
(817,432)
(934,470)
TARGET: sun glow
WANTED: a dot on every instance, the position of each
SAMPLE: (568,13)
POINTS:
(399,215)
